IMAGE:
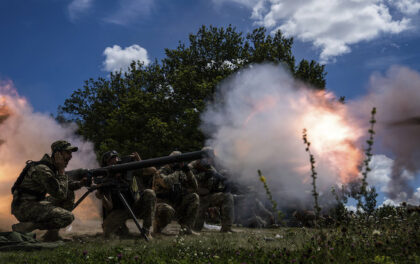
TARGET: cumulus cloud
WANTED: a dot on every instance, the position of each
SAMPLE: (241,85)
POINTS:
(120,59)
(332,26)
(408,7)
(380,175)
(130,10)
(404,197)
(77,7)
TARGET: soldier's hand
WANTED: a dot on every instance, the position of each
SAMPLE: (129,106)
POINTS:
(186,168)
(136,156)
(86,181)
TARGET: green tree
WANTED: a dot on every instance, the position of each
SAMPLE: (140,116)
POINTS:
(156,108)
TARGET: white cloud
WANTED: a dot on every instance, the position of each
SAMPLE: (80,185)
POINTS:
(120,59)
(351,208)
(332,25)
(380,174)
(77,7)
(408,7)
(130,10)
(403,197)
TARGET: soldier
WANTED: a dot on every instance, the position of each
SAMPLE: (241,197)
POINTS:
(115,214)
(210,189)
(31,206)
(176,188)
(251,212)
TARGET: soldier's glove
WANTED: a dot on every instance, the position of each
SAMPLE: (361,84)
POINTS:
(185,168)
(87,178)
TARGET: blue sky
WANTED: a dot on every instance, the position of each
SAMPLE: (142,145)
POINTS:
(48,48)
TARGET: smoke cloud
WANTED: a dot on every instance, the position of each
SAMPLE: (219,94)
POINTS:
(396,95)
(27,135)
(256,122)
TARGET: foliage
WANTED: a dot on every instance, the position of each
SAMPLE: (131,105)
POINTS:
(339,212)
(368,194)
(395,239)
(155,109)
(315,194)
(280,215)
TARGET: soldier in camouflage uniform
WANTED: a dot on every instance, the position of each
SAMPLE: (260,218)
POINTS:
(31,206)
(115,214)
(210,189)
(251,212)
(176,188)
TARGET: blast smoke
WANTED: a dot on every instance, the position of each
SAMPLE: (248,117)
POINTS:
(256,122)
(27,135)
(396,95)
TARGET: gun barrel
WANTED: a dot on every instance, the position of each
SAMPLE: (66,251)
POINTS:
(135,165)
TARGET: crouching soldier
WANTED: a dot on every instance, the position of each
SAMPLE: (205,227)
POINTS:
(211,190)
(31,206)
(115,214)
(176,188)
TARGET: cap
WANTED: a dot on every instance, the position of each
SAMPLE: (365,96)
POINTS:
(61,145)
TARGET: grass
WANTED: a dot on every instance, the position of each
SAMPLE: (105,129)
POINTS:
(391,239)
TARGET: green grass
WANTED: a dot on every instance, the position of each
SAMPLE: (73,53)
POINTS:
(388,240)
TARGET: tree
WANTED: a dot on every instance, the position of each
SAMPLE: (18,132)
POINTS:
(159,105)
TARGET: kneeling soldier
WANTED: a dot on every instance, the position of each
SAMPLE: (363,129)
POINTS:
(176,188)
(31,206)
(115,213)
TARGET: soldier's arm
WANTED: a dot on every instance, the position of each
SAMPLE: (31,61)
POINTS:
(55,185)
(75,185)
(191,181)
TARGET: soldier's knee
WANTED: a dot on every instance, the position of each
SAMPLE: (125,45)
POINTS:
(63,220)
(164,209)
(149,194)
(68,218)
(194,198)
(228,198)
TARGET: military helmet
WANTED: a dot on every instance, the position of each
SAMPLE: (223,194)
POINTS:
(107,156)
(209,152)
(175,153)
(61,145)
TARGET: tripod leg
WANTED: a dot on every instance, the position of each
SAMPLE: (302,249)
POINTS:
(83,197)
(142,230)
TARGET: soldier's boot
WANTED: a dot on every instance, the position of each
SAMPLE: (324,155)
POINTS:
(227,229)
(157,228)
(187,230)
(123,231)
(24,227)
(149,235)
(52,235)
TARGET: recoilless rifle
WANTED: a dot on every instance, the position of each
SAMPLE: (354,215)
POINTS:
(103,177)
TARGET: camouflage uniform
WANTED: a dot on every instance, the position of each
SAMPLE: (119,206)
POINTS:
(143,208)
(250,212)
(211,194)
(177,198)
(30,204)
(142,202)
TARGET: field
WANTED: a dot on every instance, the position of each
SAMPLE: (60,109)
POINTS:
(391,239)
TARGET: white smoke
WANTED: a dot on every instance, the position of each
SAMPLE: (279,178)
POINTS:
(27,135)
(396,95)
(256,122)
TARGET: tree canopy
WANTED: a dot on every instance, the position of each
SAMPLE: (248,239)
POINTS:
(155,109)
